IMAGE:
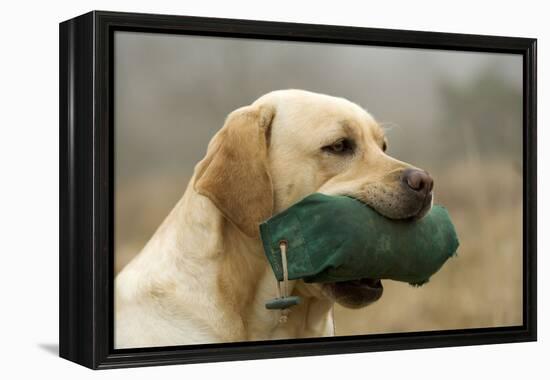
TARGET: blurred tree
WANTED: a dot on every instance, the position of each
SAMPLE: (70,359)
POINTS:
(480,119)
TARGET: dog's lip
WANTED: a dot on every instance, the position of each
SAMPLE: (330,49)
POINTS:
(370,283)
(360,292)
(423,209)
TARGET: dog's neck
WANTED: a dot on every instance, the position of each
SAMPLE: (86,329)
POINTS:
(201,268)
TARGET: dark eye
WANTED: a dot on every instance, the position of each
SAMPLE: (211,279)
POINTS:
(384,146)
(341,146)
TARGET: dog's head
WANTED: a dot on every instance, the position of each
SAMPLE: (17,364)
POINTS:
(289,144)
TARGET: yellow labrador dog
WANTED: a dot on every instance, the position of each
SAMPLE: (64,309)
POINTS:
(203,276)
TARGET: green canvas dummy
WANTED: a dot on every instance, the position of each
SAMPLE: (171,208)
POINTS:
(338,238)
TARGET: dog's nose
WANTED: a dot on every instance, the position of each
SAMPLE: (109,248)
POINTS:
(418,180)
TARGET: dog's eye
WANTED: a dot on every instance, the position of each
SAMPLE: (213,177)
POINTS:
(341,146)
(384,146)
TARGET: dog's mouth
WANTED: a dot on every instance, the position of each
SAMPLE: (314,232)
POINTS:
(355,294)
(411,210)
(360,293)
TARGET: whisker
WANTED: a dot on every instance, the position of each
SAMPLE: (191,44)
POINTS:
(388,125)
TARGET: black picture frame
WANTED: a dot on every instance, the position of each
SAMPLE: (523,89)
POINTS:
(86,188)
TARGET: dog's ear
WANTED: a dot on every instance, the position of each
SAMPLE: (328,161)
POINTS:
(234,174)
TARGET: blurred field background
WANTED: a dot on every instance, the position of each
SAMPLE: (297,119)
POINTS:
(456,114)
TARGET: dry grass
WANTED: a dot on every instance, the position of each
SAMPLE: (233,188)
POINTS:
(141,206)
